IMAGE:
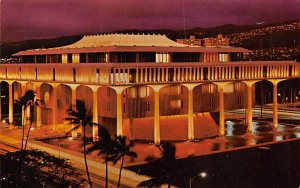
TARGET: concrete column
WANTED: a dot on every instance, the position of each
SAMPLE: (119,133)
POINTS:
(23,114)
(221,86)
(249,108)
(73,105)
(191,130)
(95,112)
(38,107)
(119,114)
(156,118)
(10,103)
(0,102)
(191,133)
(221,107)
(119,91)
(249,105)
(275,106)
(54,107)
(156,89)
(73,101)
(28,115)
(107,57)
(275,103)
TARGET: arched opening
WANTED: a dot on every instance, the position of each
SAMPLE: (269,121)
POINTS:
(47,107)
(205,97)
(17,110)
(173,108)
(173,100)
(64,101)
(85,93)
(263,95)
(107,108)
(289,92)
(235,104)
(138,112)
(4,99)
(235,95)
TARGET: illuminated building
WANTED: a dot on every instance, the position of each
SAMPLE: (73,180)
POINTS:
(130,82)
(219,41)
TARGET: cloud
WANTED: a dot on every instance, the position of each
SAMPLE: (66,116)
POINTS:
(35,18)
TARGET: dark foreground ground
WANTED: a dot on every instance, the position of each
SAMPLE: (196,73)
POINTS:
(276,165)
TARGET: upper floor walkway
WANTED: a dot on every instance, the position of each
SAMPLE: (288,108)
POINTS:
(149,73)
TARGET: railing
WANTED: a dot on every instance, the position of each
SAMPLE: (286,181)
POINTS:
(149,73)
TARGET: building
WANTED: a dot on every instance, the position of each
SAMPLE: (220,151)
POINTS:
(219,41)
(131,83)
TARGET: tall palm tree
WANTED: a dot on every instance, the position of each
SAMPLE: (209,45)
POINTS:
(24,102)
(81,117)
(164,168)
(119,149)
(104,144)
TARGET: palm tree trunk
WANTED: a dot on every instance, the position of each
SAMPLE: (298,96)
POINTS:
(106,171)
(84,155)
(23,126)
(120,171)
(28,134)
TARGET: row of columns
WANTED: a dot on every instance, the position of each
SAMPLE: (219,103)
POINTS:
(156,89)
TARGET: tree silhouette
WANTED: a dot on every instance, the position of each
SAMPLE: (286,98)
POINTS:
(24,102)
(104,145)
(81,118)
(118,150)
(163,169)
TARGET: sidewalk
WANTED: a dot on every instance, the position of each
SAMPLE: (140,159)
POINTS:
(12,136)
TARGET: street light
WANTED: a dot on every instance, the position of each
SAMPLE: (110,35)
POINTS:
(201,174)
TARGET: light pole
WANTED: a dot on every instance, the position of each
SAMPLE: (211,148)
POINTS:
(201,174)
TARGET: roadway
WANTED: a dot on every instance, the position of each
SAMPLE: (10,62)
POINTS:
(98,181)
(283,113)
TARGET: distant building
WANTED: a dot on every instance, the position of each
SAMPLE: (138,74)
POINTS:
(191,41)
(218,41)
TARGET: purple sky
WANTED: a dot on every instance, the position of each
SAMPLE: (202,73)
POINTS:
(29,19)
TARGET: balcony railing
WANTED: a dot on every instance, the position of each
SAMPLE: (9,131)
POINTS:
(149,73)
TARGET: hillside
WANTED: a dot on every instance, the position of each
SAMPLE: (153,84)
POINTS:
(268,41)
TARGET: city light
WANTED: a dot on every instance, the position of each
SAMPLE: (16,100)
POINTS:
(203,174)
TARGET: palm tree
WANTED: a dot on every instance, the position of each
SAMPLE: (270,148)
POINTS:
(26,101)
(104,144)
(118,150)
(164,168)
(81,118)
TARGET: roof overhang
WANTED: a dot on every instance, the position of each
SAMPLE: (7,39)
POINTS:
(171,49)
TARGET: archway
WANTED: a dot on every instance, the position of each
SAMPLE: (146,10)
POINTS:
(235,104)
(138,122)
(205,97)
(46,91)
(17,110)
(263,95)
(64,101)
(4,99)
(289,92)
(107,108)
(85,93)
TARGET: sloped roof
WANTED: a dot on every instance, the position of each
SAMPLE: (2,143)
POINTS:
(127,43)
(124,40)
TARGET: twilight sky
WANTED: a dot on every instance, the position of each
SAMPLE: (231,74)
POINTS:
(30,19)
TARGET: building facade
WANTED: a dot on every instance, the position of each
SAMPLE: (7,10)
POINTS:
(131,83)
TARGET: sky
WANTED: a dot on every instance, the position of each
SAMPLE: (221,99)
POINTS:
(36,19)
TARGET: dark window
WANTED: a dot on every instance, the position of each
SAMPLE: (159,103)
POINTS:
(82,58)
(69,58)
